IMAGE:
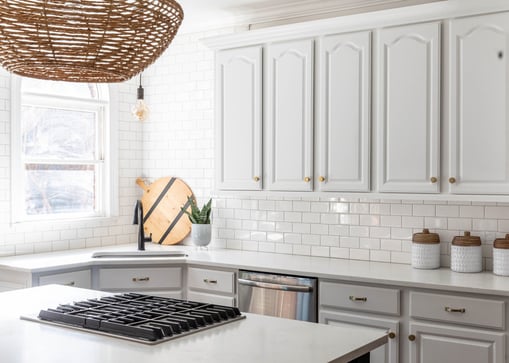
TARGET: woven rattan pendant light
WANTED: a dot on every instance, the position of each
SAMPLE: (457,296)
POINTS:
(85,40)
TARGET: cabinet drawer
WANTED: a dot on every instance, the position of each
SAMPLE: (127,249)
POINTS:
(456,309)
(361,298)
(75,278)
(211,280)
(210,298)
(140,278)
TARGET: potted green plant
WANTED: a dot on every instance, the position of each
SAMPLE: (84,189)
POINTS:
(201,230)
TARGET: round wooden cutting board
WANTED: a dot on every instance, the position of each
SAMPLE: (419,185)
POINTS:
(162,215)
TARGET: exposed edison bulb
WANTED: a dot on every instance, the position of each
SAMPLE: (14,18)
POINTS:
(140,110)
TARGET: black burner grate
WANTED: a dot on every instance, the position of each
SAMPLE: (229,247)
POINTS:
(141,317)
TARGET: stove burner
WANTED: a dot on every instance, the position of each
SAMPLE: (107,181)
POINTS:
(145,318)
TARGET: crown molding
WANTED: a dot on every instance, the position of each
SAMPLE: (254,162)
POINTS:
(434,11)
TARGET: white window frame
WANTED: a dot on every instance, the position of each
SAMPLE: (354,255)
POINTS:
(106,191)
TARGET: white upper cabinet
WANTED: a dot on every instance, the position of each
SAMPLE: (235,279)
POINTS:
(408,114)
(289,115)
(343,127)
(239,118)
(479,130)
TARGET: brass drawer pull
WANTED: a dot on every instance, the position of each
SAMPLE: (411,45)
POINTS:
(307,179)
(455,310)
(71,283)
(256,178)
(433,179)
(355,298)
(392,335)
(452,180)
(411,337)
(140,279)
(207,281)
(321,179)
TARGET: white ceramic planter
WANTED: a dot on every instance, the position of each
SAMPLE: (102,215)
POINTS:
(201,234)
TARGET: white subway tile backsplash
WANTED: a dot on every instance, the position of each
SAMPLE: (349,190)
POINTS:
(380,256)
(424,210)
(359,254)
(330,241)
(320,251)
(349,242)
(447,211)
(340,252)
(302,250)
(497,212)
(472,211)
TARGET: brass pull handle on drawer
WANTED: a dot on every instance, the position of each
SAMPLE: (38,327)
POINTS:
(70,283)
(411,337)
(356,298)
(140,279)
(392,335)
(455,310)
(207,281)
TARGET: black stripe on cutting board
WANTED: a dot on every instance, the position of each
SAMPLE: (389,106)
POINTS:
(175,221)
(158,200)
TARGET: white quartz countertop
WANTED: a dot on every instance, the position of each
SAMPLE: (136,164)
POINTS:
(252,340)
(325,268)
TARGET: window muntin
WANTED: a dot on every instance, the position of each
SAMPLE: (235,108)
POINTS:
(61,139)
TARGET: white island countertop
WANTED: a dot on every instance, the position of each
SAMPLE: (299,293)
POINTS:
(325,268)
(252,340)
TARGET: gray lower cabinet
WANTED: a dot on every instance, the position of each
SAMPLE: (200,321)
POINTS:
(456,328)
(359,305)
(432,343)
(160,281)
(77,278)
(384,354)
(212,286)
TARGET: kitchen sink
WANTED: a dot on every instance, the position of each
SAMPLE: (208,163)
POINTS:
(140,254)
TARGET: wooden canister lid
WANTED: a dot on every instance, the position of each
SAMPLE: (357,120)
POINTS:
(466,240)
(502,242)
(425,237)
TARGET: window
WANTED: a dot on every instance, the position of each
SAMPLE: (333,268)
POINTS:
(60,164)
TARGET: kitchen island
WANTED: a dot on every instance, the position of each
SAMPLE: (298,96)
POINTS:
(257,338)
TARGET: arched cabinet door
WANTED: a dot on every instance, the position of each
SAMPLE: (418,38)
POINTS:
(289,115)
(344,112)
(239,119)
(478,116)
(408,114)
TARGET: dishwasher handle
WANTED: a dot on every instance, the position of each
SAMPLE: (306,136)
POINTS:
(268,285)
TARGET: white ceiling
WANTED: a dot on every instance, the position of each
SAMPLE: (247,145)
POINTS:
(203,14)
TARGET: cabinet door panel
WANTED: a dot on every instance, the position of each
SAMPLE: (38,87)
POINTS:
(239,117)
(436,343)
(344,121)
(289,106)
(409,110)
(384,354)
(479,133)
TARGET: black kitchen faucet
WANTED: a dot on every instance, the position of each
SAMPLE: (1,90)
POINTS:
(138,219)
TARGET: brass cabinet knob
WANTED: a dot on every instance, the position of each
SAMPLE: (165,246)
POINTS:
(411,337)
(452,180)
(392,335)
(307,179)
(256,178)
(321,178)
(433,179)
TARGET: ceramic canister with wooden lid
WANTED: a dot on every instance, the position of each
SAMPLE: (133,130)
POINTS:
(466,253)
(425,250)
(501,256)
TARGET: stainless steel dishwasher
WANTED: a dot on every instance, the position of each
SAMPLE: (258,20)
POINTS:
(283,296)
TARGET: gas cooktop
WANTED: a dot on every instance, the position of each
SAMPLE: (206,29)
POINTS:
(142,318)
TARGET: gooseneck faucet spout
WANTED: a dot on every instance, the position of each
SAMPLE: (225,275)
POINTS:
(138,219)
